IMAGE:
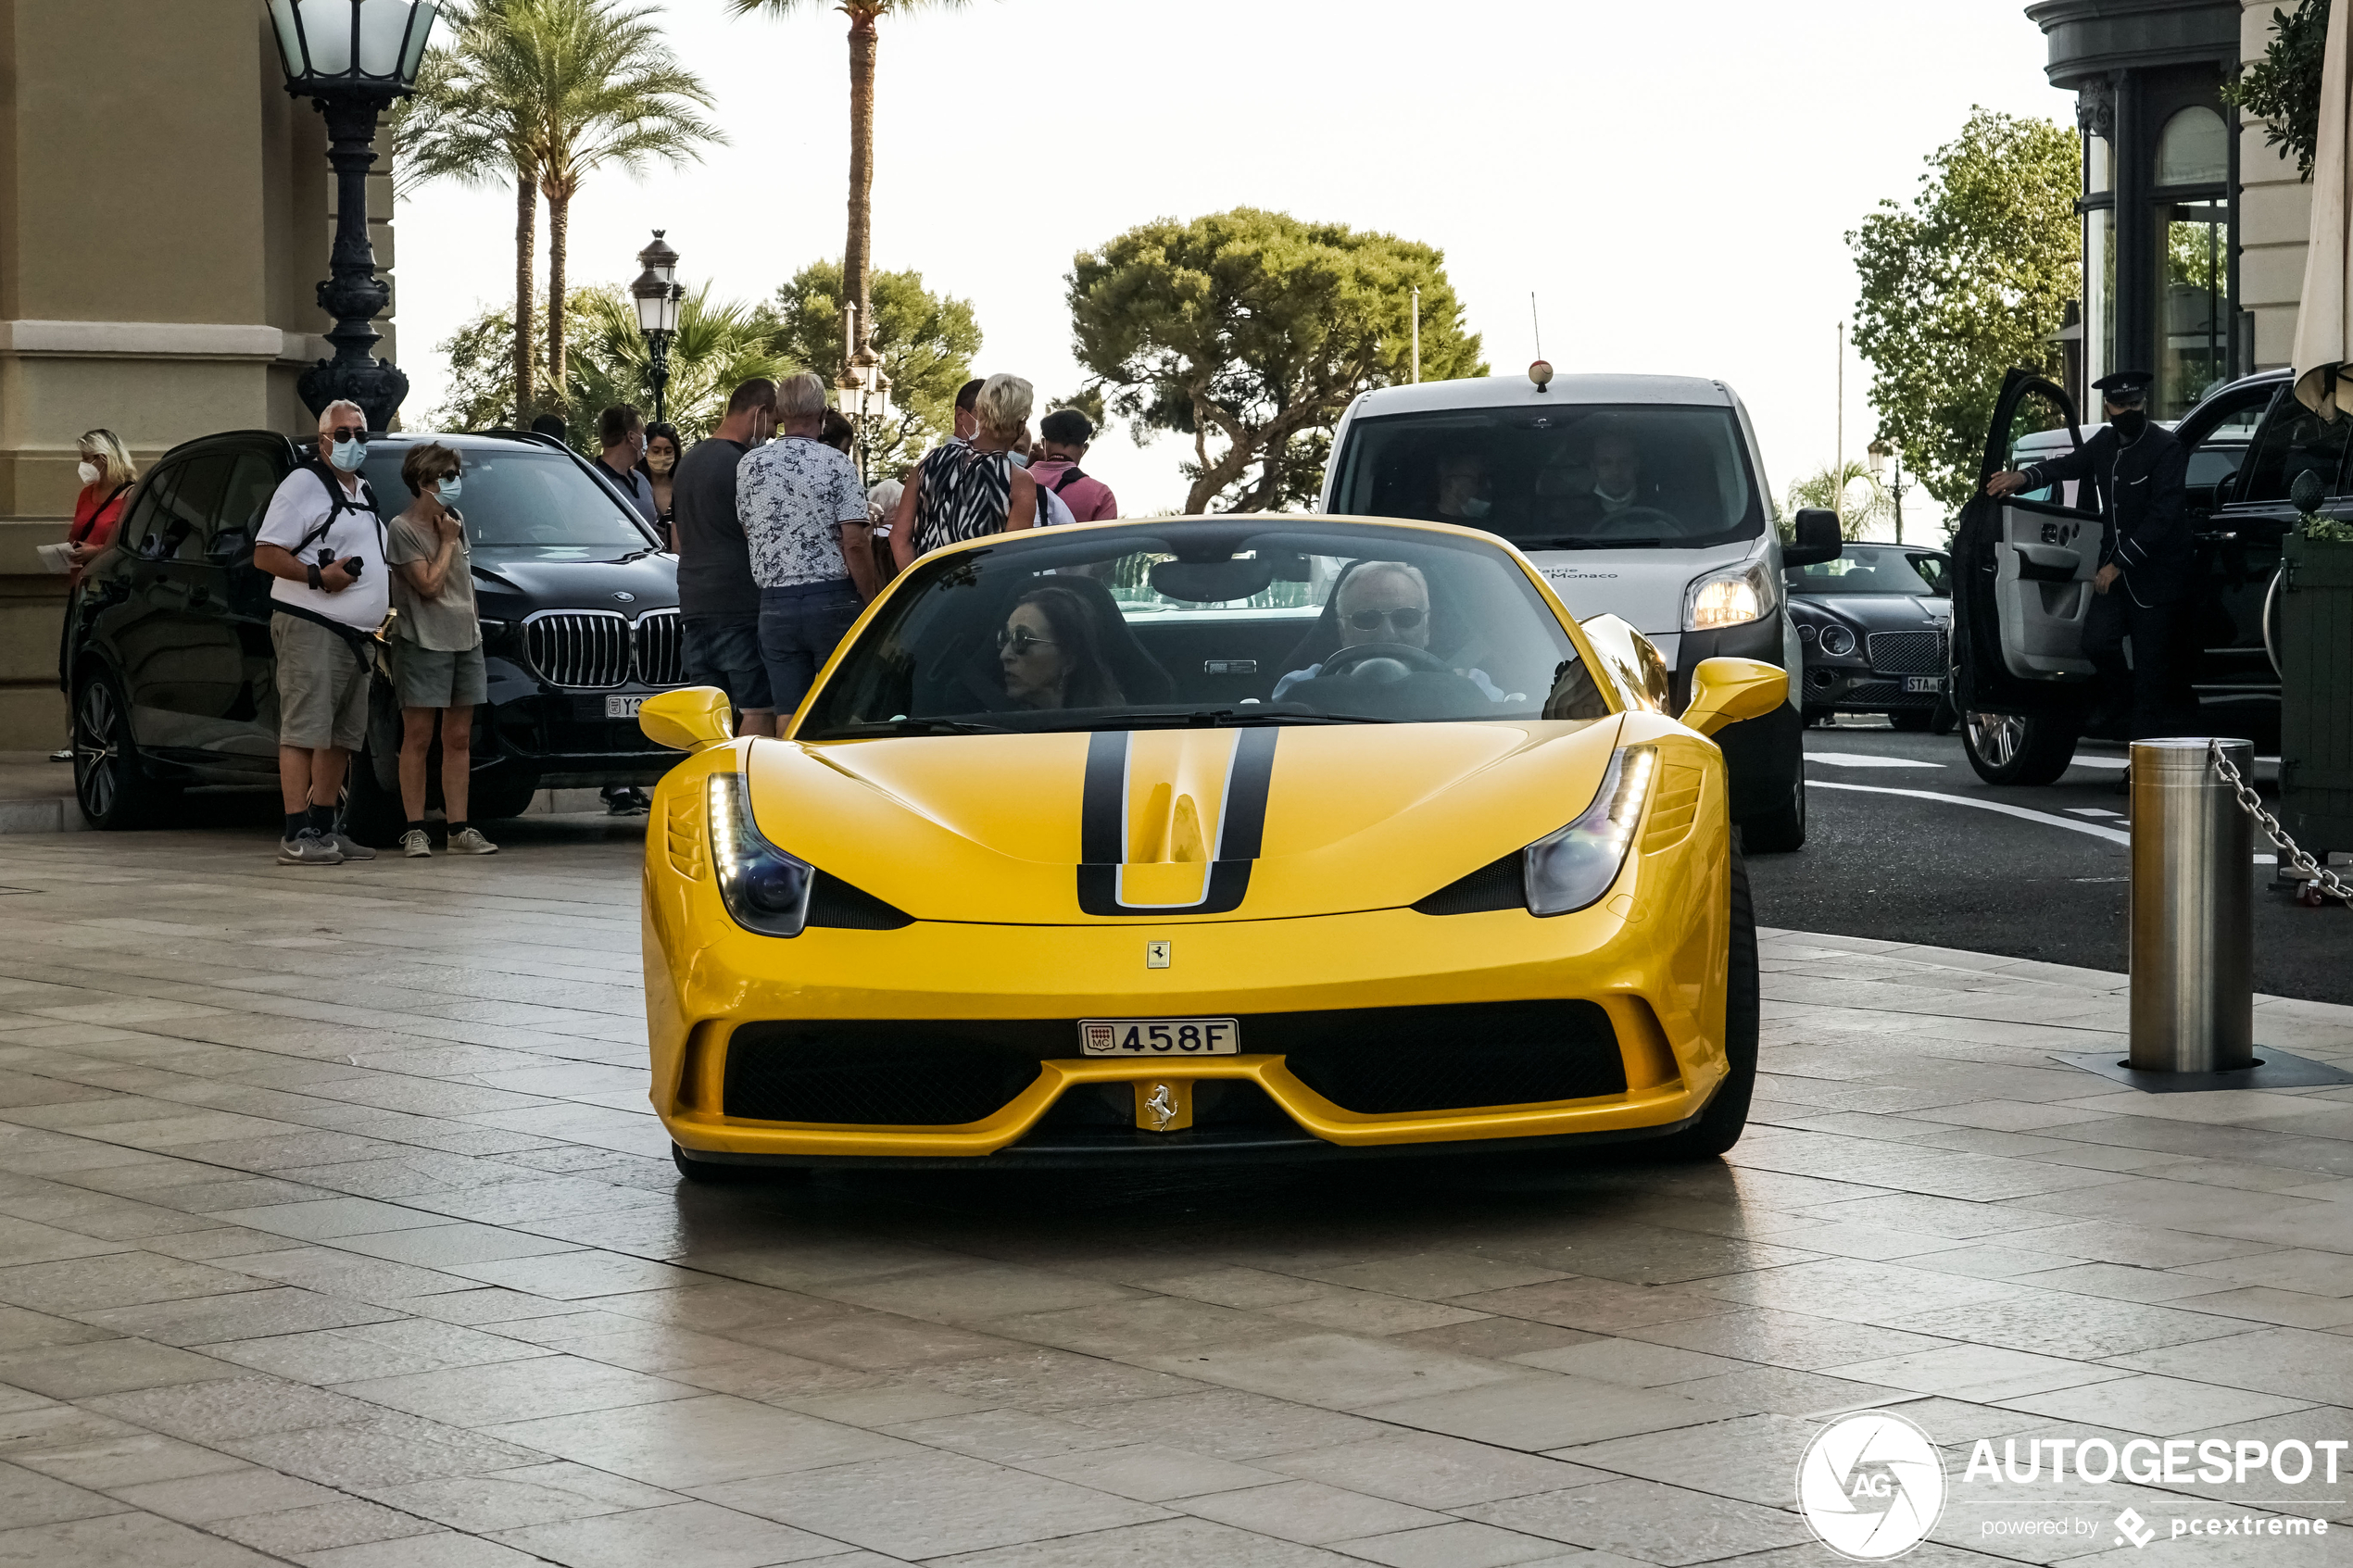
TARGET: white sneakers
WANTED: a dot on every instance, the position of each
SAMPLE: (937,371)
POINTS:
(416,845)
(468,841)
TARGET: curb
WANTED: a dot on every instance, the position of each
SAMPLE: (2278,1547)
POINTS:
(62,815)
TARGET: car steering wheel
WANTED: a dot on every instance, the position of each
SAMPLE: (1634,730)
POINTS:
(1620,522)
(1348,658)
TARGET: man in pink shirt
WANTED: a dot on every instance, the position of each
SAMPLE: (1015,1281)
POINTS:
(1063,437)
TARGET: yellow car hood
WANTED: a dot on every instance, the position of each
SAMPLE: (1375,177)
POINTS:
(1253,824)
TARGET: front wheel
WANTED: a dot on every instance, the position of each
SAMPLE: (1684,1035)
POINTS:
(2018,748)
(1721,1126)
(1782,830)
(110,780)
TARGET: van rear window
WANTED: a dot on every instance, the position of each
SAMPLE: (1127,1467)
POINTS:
(1579,477)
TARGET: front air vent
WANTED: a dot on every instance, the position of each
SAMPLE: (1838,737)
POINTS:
(1502,884)
(834,903)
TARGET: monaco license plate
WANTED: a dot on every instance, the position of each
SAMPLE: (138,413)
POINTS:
(1923,683)
(622,707)
(1159,1036)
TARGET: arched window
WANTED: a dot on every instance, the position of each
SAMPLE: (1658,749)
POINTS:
(2195,149)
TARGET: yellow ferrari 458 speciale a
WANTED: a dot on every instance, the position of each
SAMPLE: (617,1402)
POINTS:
(1211,838)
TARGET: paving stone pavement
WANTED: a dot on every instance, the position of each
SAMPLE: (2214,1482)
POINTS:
(334,1230)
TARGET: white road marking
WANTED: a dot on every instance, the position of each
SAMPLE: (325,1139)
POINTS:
(1865,760)
(2112,834)
(2094,811)
(2083,761)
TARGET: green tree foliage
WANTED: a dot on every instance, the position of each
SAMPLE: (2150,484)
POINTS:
(1849,489)
(1250,332)
(927,343)
(2282,88)
(719,344)
(1966,282)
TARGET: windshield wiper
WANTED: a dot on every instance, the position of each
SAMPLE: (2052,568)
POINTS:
(1579,541)
(915,727)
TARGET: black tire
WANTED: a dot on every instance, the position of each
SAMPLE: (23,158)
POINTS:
(2010,749)
(1781,831)
(499,793)
(371,813)
(1721,1126)
(1945,718)
(110,778)
(1912,721)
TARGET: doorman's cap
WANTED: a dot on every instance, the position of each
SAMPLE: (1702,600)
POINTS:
(2127,380)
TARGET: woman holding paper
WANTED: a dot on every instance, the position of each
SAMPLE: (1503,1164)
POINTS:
(106,474)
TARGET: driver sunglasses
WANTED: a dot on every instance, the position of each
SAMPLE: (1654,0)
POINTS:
(1405,620)
(1022,641)
(348,433)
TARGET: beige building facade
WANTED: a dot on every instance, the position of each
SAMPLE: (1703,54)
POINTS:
(166,211)
(2275,210)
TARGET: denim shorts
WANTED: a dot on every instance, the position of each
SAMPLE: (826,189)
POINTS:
(799,627)
(723,651)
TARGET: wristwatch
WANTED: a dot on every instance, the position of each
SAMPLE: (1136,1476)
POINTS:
(313,569)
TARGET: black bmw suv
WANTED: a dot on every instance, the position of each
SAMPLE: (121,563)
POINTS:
(171,673)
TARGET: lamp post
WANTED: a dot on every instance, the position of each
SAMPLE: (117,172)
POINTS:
(353,59)
(863,391)
(657,294)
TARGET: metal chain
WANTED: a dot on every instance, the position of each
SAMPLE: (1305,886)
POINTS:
(2330,884)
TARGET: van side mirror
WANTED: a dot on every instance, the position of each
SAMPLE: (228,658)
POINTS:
(1725,691)
(692,718)
(1819,538)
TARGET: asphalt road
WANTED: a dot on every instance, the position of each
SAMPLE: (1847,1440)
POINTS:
(1936,865)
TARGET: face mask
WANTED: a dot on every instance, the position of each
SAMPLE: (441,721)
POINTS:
(1021,459)
(447,489)
(347,455)
(91,474)
(659,462)
(1476,508)
(2130,424)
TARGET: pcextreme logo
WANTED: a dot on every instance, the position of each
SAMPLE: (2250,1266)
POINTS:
(1871,1486)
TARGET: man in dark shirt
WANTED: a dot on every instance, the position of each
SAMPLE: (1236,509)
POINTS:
(2148,562)
(718,600)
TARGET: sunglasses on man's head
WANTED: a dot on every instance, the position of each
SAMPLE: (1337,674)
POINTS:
(1021,640)
(1405,620)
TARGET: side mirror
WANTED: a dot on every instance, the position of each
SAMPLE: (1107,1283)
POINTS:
(694,719)
(1725,691)
(1629,661)
(1819,538)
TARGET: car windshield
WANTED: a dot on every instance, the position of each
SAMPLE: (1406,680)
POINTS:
(1225,621)
(1580,476)
(521,498)
(1867,569)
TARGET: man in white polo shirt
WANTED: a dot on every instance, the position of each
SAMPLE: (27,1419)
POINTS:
(323,542)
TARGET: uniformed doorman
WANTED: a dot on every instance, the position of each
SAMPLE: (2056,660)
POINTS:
(2144,588)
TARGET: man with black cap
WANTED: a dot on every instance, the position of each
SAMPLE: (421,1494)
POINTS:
(2144,587)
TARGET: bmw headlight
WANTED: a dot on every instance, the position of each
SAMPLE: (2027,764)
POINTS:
(1731,597)
(766,889)
(1568,870)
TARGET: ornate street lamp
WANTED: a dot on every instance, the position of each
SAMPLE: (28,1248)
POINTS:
(659,295)
(863,391)
(353,59)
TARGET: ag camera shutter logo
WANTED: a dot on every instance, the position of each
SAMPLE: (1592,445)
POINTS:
(1871,1486)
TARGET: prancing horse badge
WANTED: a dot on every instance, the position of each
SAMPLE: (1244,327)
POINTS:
(1155,954)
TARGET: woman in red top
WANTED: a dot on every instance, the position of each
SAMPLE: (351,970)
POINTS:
(106,474)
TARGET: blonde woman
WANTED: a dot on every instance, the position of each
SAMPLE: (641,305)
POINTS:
(964,490)
(106,474)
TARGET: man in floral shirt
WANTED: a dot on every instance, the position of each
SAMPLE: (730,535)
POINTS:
(804,517)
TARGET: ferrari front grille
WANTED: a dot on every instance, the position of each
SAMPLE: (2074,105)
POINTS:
(1906,652)
(876,1074)
(1386,1062)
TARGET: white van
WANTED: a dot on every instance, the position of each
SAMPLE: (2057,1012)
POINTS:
(1642,497)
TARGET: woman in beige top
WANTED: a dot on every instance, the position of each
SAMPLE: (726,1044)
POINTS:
(436,646)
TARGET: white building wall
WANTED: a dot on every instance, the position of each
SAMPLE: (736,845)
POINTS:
(2275,212)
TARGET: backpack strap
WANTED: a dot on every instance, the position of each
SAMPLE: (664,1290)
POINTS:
(1071,475)
(339,501)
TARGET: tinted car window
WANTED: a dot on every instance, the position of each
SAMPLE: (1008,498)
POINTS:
(1864,570)
(184,512)
(2296,441)
(522,498)
(251,484)
(1578,475)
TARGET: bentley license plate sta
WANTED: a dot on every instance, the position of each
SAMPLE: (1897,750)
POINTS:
(622,707)
(1160,1036)
(1923,683)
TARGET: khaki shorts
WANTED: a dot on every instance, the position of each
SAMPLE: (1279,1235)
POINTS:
(430,678)
(322,686)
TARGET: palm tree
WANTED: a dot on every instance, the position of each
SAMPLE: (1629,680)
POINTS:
(469,122)
(720,345)
(552,90)
(1851,490)
(857,251)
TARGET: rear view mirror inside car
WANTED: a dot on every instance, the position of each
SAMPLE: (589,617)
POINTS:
(1211,581)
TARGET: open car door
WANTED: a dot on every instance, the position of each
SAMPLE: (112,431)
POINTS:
(2022,569)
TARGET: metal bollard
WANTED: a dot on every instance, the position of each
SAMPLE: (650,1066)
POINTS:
(2193,951)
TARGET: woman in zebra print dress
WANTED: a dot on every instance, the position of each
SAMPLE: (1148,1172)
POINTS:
(967,489)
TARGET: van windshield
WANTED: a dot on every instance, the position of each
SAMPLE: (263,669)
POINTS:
(521,499)
(1580,477)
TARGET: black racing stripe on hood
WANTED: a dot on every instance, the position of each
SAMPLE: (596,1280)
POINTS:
(1103,821)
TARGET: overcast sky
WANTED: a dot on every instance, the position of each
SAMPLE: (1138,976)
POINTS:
(1672,182)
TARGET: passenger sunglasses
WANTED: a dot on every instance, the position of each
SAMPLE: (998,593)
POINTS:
(348,433)
(1405,620)
(1022,641)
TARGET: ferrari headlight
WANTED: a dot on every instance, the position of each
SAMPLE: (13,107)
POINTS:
(766,889)
(1568,870)
(1733,597)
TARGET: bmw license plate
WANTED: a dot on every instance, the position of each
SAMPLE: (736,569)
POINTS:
(1923,683)
(1159,1036)
(622,707)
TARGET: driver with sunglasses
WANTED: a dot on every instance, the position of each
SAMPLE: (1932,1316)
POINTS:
(1384,601)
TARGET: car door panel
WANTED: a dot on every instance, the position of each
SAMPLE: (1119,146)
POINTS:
(2023,568)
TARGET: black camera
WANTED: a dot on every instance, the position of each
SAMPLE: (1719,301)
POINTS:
(352,565)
